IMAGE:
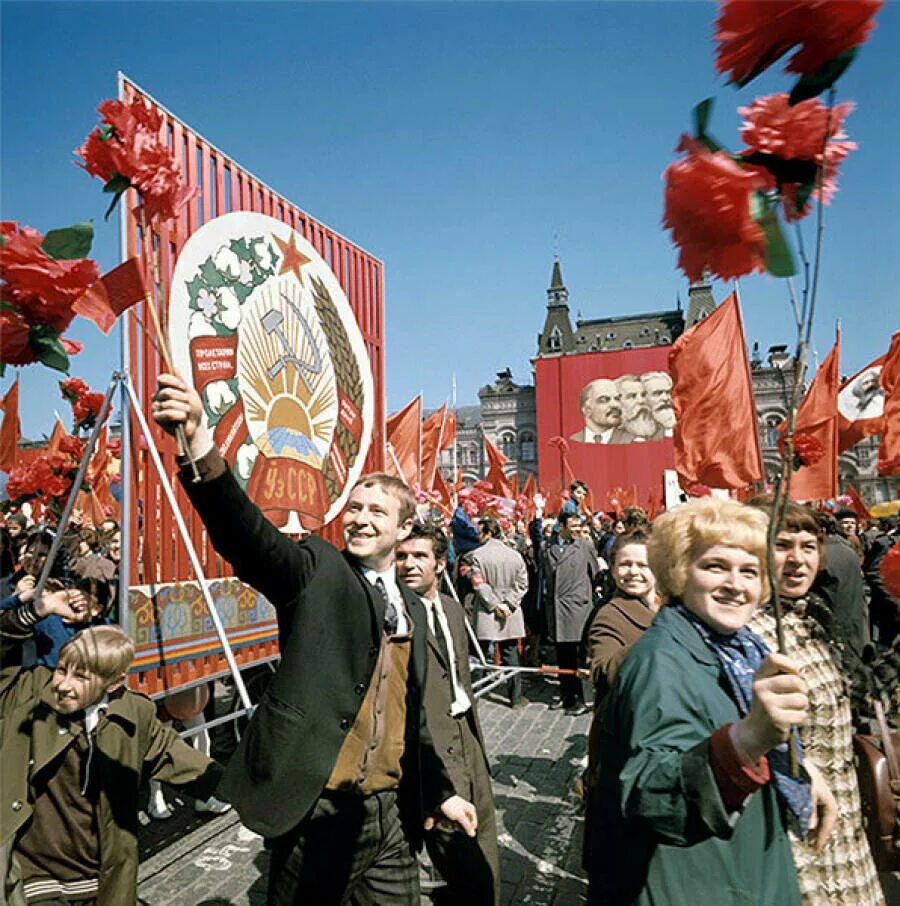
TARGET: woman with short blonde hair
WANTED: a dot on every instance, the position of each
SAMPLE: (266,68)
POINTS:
(693,794)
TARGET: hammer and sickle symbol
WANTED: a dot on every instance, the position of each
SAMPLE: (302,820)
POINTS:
(272,321)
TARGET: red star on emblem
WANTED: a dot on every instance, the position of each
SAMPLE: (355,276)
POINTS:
(293,260)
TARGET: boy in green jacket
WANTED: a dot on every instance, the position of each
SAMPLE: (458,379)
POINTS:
(76,745)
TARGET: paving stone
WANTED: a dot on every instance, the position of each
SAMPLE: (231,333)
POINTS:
(194,860)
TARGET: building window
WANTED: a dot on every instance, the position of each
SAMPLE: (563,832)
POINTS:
(554,341)
(645,331)
(664,338)
(611,335)
(508,445)
(627,344)
(771,435)
(527,450)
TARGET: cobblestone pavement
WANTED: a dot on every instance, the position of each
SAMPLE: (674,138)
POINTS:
(536,754)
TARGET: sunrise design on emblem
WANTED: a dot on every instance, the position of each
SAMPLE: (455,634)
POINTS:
(285,375)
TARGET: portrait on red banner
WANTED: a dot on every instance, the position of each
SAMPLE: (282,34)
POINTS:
(261,326)
(614,412)
(626,409)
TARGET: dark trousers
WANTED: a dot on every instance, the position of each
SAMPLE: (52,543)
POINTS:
(469,866)
(509,657)
(570,688)
(349,849)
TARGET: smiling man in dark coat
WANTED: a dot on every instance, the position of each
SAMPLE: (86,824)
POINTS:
(337,767)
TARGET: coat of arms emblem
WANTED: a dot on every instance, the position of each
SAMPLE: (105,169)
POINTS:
(261,325)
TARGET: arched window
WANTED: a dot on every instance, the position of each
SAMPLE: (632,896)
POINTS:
(554,341)
(770,432)
(508,445)
(527,446)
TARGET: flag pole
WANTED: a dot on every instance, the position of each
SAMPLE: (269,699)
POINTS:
(419,460)
(456,422)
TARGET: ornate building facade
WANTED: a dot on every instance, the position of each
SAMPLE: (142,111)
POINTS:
(506,411)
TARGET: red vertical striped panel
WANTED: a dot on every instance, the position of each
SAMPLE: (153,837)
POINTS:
(225,186)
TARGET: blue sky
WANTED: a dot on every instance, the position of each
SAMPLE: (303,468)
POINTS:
(454,141)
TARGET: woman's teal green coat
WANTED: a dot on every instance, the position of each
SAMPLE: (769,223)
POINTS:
(661,834)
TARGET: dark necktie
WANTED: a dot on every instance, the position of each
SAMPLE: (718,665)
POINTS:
(439,636)
(390,610)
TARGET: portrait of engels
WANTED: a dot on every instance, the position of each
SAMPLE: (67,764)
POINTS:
(628,409)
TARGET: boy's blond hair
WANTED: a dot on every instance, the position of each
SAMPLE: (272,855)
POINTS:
(680,535)
(105,651)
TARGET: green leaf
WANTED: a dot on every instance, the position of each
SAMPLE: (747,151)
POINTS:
(702,113)
(69,242)
(106,132)
(778,259)
(47,348)
(824,77)
(211,275)
(117,185)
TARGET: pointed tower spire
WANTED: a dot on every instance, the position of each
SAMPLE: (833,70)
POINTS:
(700,300)
(557,295)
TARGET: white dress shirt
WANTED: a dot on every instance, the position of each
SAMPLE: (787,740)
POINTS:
(389,580)
(437,622)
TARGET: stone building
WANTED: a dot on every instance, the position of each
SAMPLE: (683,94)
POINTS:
(506,411)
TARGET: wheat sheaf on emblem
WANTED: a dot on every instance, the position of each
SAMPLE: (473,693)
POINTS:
(346,372)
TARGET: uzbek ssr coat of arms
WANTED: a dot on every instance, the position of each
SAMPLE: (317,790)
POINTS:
(261,325)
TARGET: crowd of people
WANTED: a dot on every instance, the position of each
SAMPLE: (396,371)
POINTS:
(720,760)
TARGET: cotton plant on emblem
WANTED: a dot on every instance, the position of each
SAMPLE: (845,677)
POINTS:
(262,252)
(218,398)
(232,268)
(229,313)
(244,460)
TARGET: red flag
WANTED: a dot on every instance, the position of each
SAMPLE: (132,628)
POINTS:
(716,438)
(432,440)
(495,476)
(654,503)
(817,417)
(529,490)
(403,442)
(11,428)
(514,486)
(56,436)
(860,405)
(889,449)
(103,301)
(856,502)
(440,488)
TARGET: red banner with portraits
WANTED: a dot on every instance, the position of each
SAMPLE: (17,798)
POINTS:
(606,418)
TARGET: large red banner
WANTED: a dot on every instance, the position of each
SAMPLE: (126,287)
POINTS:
(606,418)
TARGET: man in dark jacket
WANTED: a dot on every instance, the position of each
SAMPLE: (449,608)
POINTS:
(471,868)
(337,767)
(572,571)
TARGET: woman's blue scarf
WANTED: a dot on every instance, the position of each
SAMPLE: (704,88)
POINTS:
(741,655)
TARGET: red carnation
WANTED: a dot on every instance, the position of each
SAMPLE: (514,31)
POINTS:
(42,288)
(772,127)
(707,208)
(72,388)
(15,348)
(130,146)
(890,571)
(808,450)
(752,34)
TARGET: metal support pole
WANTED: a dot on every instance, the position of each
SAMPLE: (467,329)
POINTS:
(192,553)
(76,488)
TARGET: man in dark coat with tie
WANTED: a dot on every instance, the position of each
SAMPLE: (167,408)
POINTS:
(470,867)
(337,768)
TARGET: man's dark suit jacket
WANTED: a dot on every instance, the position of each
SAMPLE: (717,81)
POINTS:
(330,627)
(471,780)
(439,695)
